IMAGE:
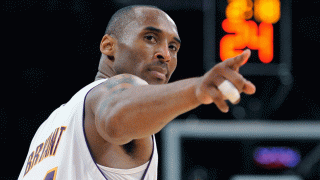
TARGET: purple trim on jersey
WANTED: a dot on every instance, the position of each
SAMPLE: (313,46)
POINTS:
(83,116)
(145,172)
(84,132)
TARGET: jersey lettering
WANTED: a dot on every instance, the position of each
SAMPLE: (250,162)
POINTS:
(51,174)
(48,149)
(36,156)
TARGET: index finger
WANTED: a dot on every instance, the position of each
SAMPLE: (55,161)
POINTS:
(236,62)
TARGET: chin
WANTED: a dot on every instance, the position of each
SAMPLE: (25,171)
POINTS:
(153,81)
(156,81)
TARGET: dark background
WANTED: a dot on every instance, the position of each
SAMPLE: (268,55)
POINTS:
(50,50)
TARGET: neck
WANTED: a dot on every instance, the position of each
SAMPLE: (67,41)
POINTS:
(105,69)
(101,76)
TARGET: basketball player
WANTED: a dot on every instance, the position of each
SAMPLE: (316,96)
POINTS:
(106,130)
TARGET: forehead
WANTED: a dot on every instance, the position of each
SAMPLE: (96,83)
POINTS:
(146,17)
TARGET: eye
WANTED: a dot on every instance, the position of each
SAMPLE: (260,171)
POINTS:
(173,47)
(150,38)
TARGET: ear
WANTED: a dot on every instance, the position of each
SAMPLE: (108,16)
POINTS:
(107,46)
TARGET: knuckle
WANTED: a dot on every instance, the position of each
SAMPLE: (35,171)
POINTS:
(204,87)
(217,98)
(239,82)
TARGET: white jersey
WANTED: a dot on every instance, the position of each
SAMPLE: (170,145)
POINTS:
(59,150)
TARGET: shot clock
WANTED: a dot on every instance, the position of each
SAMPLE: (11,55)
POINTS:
(245,33)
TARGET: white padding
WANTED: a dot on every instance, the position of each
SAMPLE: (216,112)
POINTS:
(229,91)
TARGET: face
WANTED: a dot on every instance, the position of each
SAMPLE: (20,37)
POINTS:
(149,47)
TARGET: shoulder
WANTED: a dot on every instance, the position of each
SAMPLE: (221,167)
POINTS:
(125,79)
(119,81)
(113,86)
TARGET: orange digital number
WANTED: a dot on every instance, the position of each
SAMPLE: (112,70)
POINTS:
(247,34)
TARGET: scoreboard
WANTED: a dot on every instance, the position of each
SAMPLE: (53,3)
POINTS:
(263,26)
(243,32)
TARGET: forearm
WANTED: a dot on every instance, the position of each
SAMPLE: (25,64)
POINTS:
(144,110)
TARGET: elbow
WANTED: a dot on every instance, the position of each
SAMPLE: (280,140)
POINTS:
(112,129)
(116,134)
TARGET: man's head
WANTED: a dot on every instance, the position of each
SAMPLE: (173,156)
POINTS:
(143,41)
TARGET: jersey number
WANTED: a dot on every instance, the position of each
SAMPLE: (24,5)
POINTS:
(51,174)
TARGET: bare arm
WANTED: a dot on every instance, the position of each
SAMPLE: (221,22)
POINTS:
(125,108)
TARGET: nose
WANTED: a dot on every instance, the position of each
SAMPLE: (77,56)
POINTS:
(163,54)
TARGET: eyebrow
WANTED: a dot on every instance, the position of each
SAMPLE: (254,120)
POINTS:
(151,28)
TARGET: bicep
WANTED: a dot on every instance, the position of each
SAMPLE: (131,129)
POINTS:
(104,101)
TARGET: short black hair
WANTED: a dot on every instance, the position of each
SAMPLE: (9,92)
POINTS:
(121,18)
